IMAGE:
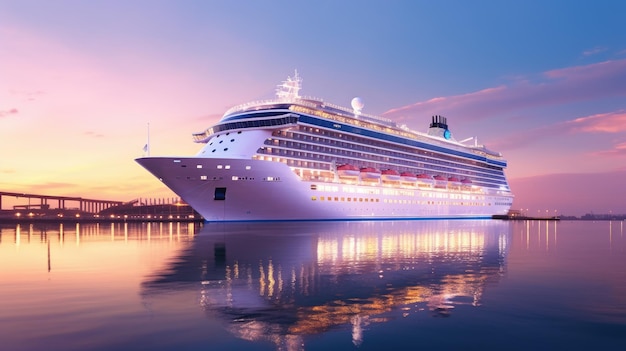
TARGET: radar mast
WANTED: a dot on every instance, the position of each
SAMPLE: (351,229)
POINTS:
(290,88)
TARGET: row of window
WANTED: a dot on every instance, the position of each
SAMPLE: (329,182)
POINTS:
(398,201)
(323,165)
(348,141)
(395,192)
(259,123)
(389,133)
(380,153)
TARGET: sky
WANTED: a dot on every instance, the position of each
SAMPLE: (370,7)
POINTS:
(83,83)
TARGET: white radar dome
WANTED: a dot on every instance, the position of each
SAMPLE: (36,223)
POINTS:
(357,104)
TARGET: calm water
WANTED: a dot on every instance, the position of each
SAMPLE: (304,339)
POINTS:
(314,286)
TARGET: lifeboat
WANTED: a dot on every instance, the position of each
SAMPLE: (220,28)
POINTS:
(425,181)
(369,173)
(348,171)
(454,182)
(408,177)
(440,181)
(466,184)
(390,175)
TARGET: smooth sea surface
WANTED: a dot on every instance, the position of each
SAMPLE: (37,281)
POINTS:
(387,285)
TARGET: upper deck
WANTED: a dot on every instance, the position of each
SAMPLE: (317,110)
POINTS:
(288,100)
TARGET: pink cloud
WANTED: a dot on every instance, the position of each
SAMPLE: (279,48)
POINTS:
(560,86)
(442,103)
(612,122)
(5,113)
(594,51)
(619,150)
(28,95)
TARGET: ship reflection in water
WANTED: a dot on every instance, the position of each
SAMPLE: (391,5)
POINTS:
(280,282)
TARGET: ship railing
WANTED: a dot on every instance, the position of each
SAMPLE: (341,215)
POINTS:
(244,106)
(303,101)
(368,116)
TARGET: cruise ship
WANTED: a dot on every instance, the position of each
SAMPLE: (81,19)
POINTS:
(300,158)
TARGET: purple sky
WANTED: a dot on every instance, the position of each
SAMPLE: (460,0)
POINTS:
(544,83)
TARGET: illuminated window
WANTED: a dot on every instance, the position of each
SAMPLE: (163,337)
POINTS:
(203,177)
(227,167)
(313,198)
(220,166)
(198,166)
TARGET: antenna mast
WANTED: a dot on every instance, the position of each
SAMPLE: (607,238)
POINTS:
(290,88)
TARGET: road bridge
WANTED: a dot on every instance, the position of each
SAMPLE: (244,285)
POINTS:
(43,202)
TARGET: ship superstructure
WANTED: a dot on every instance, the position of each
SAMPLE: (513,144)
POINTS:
(300,158)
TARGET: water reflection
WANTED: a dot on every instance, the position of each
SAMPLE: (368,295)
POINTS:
(279,282)
(91,232)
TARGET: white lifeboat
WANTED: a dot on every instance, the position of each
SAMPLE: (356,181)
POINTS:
(370,173)
(440,181)
(408,177)
(454,181)
(348,171)
(390,175)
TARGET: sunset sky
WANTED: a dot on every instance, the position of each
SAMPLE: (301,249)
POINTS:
(542,82)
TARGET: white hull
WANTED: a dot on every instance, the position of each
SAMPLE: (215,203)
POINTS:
(254,190)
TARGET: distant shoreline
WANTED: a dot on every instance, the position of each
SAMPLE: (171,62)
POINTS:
(98,220)
(525,218)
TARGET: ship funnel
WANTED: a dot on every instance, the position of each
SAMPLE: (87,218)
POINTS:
(439,121)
